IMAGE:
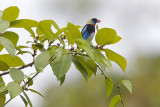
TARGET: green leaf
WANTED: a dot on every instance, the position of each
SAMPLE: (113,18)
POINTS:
(20,46)
(16,74)
(29,101)
(4,25)
(31,32)
(72,33)
(120,60)
(30,83)
(39,32)
(22,52)
(117,39)
(2,99)
(115,100)
(109,86)
(10,13)
(80,68)
(55,25)
(8,45)
(34,91)
(3,66)
(85,45)
(24,100)
(105,36)
(103,59)
(24,23)
(62,79)
(58,52)
(11,62)
(42,60)
(14,89)
(12,36)
(89,65)
(127,84)
(45,27)
(1,82)
(2,89)
(61,66)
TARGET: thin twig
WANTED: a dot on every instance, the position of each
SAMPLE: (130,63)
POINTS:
(22,67)
(7,102)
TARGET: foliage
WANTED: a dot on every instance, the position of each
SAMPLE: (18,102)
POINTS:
(61,52)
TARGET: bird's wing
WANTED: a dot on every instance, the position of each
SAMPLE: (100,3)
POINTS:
(84,30)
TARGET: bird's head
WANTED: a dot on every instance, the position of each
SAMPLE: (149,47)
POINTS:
(93,21)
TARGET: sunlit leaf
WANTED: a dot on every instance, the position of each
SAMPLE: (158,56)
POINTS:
(117,39)
(105,36)
(120,60)
(45,27)
(14,89)
(16,74)
(115,101)
(1,82)
(10,13)
(127,84)
(72,33)
(11,62)
(109,86)
(24,23)
(4,25)
(2,99)
(61,66)
(2,89)
(55,25)
(8,45)
(3,66)
(31,32)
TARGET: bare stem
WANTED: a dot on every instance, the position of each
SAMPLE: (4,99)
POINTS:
(7,102)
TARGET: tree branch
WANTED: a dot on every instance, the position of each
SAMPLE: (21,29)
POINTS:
(22,67)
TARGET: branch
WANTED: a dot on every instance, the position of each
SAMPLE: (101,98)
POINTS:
(22,67)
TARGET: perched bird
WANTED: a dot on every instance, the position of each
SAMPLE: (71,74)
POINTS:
(88,30)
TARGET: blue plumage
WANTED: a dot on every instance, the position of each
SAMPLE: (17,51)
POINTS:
(88,30)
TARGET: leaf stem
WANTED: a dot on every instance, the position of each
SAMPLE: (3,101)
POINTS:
(7,102)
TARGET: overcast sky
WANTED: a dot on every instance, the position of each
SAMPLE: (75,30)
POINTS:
(136,21)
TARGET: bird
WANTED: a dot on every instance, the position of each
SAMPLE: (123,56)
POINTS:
(88,30)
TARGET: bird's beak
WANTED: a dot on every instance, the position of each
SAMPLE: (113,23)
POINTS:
(98,21)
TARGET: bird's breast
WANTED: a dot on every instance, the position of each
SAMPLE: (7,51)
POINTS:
(90,37)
